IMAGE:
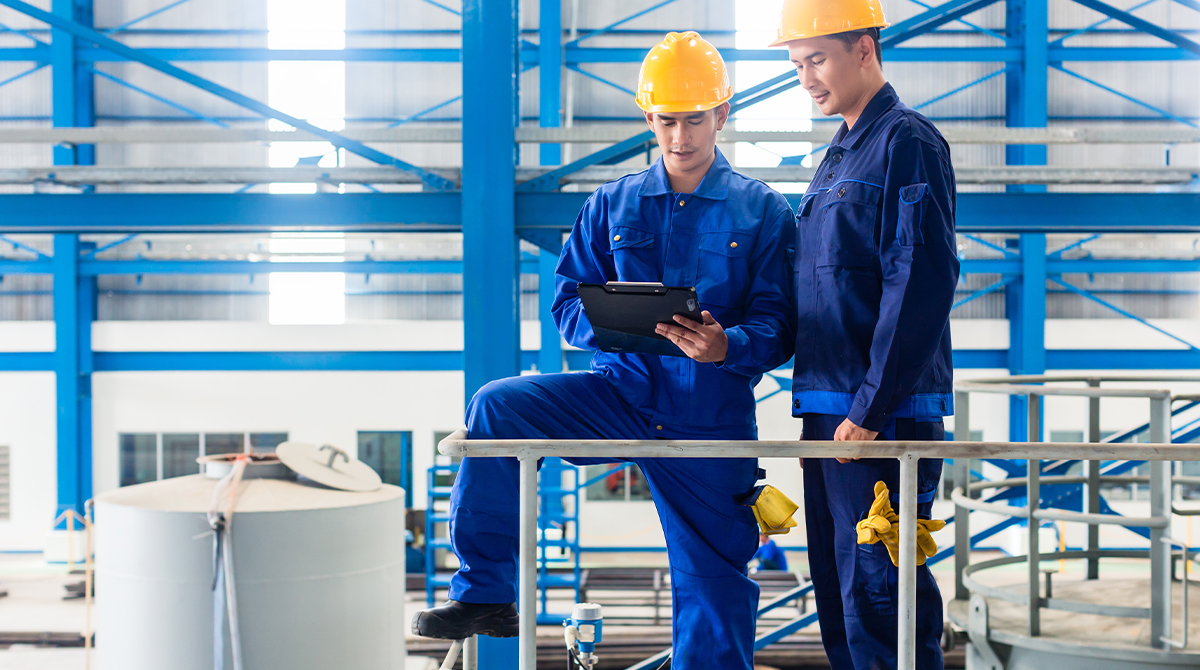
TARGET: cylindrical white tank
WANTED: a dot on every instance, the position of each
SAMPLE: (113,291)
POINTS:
(319,576)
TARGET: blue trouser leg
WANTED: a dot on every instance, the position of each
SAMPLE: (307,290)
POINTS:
(856,585)
(710,538)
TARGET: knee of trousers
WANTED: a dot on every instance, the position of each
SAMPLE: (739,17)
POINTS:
(489,403)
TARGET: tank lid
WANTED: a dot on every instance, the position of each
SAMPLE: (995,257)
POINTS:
(328,465)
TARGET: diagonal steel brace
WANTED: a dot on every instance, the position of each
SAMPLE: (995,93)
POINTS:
(99,39)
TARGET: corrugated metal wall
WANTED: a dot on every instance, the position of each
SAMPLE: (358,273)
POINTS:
(381,94)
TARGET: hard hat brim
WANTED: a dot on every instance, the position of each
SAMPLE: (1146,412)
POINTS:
(797,36)
(683,107)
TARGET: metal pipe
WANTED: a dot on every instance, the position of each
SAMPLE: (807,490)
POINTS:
(906,652)
(818,449)
(962,478)
(471,653)
(1109,519)
(961,500)
(1160,506)
(1092,471)
(527,588)
(1033,557)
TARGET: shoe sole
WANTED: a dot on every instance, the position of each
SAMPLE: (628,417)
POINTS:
(426,626)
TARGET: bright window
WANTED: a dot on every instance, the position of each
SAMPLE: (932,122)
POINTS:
(756,22)
(316,92)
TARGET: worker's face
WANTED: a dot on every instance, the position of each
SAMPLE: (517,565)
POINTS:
(833,75)
(688,139)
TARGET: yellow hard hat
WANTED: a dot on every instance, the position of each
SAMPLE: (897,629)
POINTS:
(683,73)
(802,19)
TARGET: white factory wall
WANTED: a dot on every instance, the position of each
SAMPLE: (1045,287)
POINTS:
(330,407)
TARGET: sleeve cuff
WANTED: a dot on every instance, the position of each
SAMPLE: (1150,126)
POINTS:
(865,418)
(738,349)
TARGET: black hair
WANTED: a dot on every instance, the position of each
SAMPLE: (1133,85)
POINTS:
(851,38)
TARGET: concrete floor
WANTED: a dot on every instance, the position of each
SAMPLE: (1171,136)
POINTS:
(35,604)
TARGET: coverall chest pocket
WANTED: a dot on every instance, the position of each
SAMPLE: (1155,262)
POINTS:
(633,253)
(847,233)
(724,271)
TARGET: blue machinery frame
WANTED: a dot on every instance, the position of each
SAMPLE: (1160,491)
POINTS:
(493,214)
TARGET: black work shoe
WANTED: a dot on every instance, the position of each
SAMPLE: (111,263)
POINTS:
(457,621)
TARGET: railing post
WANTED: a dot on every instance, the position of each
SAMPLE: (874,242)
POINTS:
(1033,558)
(962,478)
(471,653)
(1092,470)
(1160,506)
(906,653)
(527,588)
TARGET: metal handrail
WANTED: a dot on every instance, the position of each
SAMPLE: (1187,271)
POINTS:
(1034,387)
(906,452)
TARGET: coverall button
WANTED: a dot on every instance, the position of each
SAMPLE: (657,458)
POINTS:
(796,404)
(841,192)
(829,176)
(616,238)
(658,427)
(682,203)
(837,158)
(733,245)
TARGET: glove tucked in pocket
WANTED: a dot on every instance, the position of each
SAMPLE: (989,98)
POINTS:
(772,509)
(883,525)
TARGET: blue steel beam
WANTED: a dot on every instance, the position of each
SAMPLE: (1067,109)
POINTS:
(930,20)
(1142,24)
(491,279)
(399,361)
(1125,313)
(159,98)
(609,28)
(583,55)
(1093,28)
(973,27)
(1125,96)
(91,267)
(149,15)
(67,25)
(74,480)
(72,86)
(229,212)
(546,213)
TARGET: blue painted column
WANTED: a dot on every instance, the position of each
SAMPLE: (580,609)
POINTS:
(1026,308)
(491,278)
(550,355)
(74,311)
(72,83)
(550,358)
(491,271)
(1025,82)
(550,75)
(1026,107)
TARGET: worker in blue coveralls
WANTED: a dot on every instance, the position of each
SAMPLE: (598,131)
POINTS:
(876,268)
(689,220)
(769,555)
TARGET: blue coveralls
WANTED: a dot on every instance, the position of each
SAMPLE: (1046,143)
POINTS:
(733,240)
(876,268)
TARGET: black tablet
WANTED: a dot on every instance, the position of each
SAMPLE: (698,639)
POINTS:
(625,314)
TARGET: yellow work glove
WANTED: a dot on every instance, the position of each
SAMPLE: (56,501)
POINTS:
(774,511)
(883,525)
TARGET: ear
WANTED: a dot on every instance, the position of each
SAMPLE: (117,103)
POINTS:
(866,50)
(649,119)
(722,115)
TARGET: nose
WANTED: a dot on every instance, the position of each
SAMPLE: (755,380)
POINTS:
(808,80)
(679,134)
